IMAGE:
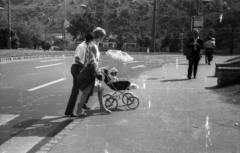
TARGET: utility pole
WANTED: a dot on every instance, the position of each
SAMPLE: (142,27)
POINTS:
(198,6)
(64,26)
(154,25)
(9,25)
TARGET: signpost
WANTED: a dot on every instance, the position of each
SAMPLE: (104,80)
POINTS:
(197,23)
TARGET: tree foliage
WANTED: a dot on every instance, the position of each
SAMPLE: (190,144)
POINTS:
(130,20)
(4,38)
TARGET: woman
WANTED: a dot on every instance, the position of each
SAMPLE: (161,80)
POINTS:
(209,46)
(92,57)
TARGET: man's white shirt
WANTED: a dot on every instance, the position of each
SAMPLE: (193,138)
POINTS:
(80,52)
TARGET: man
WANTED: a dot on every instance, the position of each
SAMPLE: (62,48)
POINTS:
(78,64)
(196,44)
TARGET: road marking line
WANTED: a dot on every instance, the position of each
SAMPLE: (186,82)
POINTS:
(48,65)
(138,66)
(47,84)
(51,60)
(103,67)
(131,62)
(29,137)
(4,118)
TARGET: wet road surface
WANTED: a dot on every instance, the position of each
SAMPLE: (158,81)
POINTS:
(174,115)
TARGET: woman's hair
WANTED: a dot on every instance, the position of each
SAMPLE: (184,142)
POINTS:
(99,33)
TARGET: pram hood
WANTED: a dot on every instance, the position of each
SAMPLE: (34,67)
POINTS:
(118,85)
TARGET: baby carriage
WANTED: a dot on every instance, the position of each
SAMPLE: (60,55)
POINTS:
(120,88)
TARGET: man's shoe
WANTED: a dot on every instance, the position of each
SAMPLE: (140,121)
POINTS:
(194,77)
(71,115)
(189,77)
(85,107)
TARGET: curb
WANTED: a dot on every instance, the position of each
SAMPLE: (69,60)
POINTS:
(52,142)
(31,57)
(46,56)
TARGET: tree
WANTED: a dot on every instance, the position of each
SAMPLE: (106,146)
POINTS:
(124,37)
(3,39)
(81,25)
(144,41)
(224,19)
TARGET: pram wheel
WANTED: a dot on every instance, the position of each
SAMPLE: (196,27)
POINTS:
(125,97)
(133,102)
(106,96)
(111,103)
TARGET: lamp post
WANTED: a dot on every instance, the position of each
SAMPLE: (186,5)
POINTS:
(9,25)
(154,25)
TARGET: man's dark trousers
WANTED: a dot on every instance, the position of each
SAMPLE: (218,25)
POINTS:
(193,63)
(75,70)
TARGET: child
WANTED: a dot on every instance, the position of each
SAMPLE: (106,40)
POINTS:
(113,74)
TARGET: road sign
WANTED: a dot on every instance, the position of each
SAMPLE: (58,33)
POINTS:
(197,23)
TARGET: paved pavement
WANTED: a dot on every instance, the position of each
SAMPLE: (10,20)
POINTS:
(175,115)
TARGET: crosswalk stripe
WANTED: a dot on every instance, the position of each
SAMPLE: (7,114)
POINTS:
(4,118)
(29,137)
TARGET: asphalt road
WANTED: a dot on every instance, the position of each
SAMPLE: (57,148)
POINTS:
(35,92)
(34,95)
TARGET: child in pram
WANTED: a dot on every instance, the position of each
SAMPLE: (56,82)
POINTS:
(120,87)
(114,79)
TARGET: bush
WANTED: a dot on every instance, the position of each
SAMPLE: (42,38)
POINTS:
(46,46)
(4,38)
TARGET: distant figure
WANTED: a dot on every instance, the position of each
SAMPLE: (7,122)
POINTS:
(147,50)
(209,46)
(213,41)
(196,44)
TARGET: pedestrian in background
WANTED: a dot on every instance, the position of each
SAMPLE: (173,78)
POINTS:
(93,57)
(209,46)
(77,66)
(195,44)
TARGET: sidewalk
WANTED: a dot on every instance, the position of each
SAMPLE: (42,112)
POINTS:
(175,115)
